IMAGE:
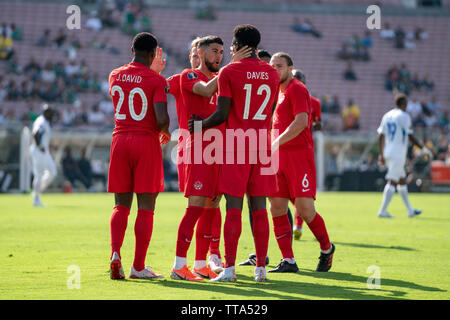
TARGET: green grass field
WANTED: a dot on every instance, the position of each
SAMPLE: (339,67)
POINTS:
(38,245)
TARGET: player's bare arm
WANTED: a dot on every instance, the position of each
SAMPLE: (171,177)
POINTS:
(295,128)
(162,120)
(381,147)
(206,89)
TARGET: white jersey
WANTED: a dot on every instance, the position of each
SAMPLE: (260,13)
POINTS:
(42,127)
(396,125)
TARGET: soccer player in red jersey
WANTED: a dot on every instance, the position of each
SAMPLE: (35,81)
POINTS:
(316,114)
(247,94)
(141,124)
(195,85)
(175,90)
(198,91)
(296,177)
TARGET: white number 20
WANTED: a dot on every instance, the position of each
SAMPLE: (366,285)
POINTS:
(248,95)
(137,117)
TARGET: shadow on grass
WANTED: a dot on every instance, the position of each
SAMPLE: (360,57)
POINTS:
(360,279)
(279,289)
(374,246)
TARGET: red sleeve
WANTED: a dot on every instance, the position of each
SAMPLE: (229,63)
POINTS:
(300,100)
(224,83)
(188,79)
(159,93)
(174,84)
(316,109)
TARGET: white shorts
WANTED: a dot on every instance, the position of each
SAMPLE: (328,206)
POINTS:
(42,161)
(396,169)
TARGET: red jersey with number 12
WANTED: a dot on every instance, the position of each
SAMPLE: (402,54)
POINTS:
(253,86)
(134,88)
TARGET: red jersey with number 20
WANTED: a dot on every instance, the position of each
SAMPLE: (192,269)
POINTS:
(253,86)
(134,89)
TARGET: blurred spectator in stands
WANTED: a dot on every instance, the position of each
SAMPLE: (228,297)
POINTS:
(367,40)
(33,68)
(93,22)
(344,53)
(68,116)
(13,66)
(48,75)
(364,54)
(106,13)
(305,27)
(72,68)
(430,118)
(96,117)
(444,121)
(25,90)
(206,11)
(428,83)
(399,40)
(434,106)
(44,39)
(325,103)
(442,148)
(350,116)
(356,43)
(349,73)
(71,170)
(387,32)
(60,38)
(3,89)
(106,105)
(13,91)
(335,106)
(6,46)
(86,169)
(419,121)
(144,23)
(5,28)
(16,34)
(414,108)
(2,116)
(369,164)
(416,82)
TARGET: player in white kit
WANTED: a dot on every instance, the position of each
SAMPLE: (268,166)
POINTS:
(44,168)
(394,133)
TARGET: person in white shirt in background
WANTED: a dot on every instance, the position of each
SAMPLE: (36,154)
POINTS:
(393,134)
(44,168)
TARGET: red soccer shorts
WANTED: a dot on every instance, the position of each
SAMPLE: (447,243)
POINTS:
(135,164)
(238,179)
(296,176)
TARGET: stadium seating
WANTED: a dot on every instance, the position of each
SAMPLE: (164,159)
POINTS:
(316,57)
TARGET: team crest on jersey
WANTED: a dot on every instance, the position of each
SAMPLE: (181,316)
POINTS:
(198,185)
(192,75)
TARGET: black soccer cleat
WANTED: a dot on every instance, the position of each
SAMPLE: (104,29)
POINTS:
(251,261)
(325,260)
(285,267)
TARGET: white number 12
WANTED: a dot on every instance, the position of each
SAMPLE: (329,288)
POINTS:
(248,95)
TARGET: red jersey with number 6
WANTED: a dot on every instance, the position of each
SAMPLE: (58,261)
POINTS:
(134,88)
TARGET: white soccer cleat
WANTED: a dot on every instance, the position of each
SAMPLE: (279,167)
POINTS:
(116,270)
(227,275)
(215,263)
(384,215)
(145,273)
(260,274)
